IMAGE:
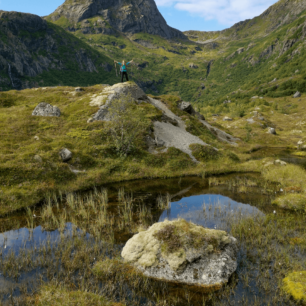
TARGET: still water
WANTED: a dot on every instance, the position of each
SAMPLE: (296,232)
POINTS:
(214,203)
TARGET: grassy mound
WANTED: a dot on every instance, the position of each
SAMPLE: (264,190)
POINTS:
(51,295)
(292,202)
(295,285)
(204,153)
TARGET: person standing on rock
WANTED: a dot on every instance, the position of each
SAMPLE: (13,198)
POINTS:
(123,70)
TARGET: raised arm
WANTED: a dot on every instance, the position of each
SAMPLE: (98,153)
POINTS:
(130,62)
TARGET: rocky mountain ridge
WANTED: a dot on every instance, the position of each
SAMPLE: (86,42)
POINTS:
(129,17)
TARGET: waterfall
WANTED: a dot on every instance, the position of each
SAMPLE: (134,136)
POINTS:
(10,74)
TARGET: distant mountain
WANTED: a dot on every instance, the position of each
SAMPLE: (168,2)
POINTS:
(129,17)
(281,13)
(36,52)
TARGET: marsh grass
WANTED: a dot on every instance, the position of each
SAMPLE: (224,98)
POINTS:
(85,259)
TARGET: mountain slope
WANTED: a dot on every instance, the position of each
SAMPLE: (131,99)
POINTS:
(35,52)
(281,13)
(130,17)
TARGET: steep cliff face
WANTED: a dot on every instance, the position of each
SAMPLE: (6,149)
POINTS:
(131,16)
(30,46)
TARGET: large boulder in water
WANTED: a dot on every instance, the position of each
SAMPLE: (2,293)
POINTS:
(46,110)
(182,252)
(111,93)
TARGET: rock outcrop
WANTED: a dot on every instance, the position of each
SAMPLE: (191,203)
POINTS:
(111,93)
(46,110)
(169,132)
(133,17)
(179,251)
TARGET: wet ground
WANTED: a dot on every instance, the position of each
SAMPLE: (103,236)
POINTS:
(212,202)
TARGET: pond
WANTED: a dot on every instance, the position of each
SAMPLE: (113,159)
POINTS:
(64,238)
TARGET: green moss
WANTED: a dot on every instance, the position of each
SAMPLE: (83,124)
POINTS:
(180,235)
(204,153)
(295,285)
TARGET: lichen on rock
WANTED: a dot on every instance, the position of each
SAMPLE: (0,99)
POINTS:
(173,250)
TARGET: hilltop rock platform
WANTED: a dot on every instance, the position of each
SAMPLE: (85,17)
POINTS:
(169,132)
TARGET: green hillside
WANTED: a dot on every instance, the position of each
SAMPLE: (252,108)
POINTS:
(208,69)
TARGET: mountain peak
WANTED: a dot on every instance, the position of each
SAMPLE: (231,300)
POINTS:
(132,16)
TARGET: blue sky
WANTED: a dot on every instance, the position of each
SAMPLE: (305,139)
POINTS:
(203,15)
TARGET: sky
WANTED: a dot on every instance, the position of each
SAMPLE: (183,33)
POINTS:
(202,15)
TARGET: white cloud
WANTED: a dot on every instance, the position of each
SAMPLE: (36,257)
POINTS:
(226,12)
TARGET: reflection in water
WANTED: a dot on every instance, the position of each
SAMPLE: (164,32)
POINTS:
(191,198)
(209,210)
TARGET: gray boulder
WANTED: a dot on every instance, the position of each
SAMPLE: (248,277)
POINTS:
(187,107)
(79,89)
(46,110)
(297,95)
(271,131)
(65,155)
(183,252)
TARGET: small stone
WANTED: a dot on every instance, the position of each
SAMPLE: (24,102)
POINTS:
(90,120)
(38,159)
(227,119)
(255,97)
(300,142)
(192,65)
(280,162)
(79,89)
(261,118)
(297,95)
(36,137)
(271,131)
(65,155)
(297,71)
